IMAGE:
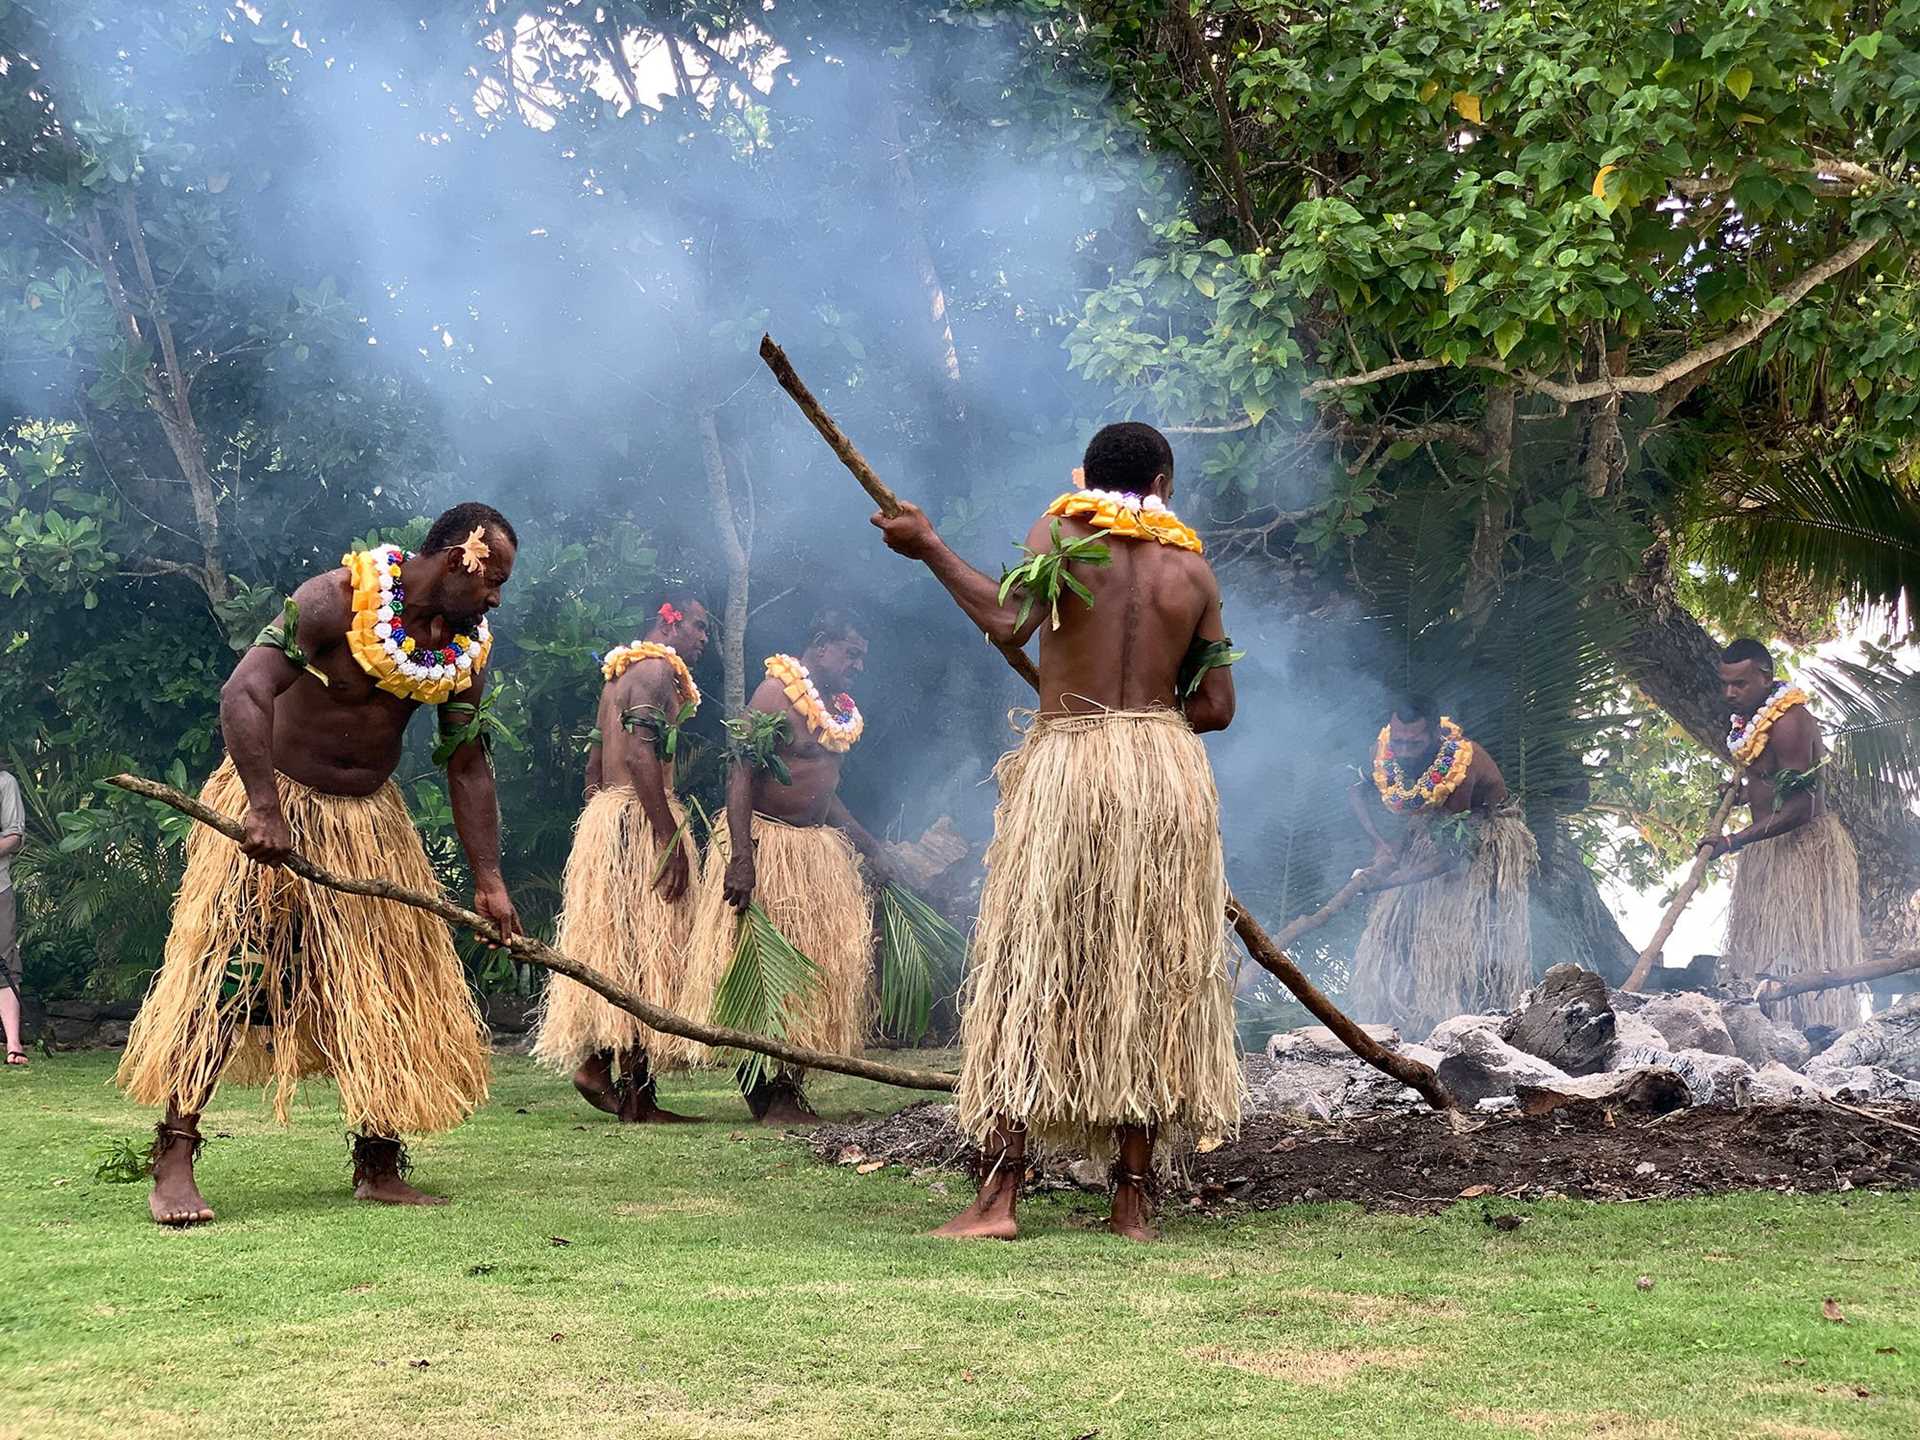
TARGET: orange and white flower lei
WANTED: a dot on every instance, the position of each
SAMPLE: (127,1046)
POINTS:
(381,646)
(1746,742)
(621,657)
(1431,790)
(1132,517)
(834,732)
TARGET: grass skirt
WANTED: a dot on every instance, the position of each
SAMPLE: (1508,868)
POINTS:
(808,881)
(1796,908)
(267,977)
(613,919)
(1098,992)
(1458,944)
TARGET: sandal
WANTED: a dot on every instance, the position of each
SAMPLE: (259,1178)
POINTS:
(17,1058)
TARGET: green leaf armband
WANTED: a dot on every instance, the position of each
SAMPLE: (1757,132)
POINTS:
(1202,656)
(662,731)
(480,724)
(1041,577)
(279,635)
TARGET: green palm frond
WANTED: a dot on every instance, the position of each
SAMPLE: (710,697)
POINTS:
(1872,719)
(767,978)
(1840,523)
(921,961)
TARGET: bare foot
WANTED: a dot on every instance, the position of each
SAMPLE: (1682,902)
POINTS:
(594,1081)
(176,1200)
(1132,1214)
(640,1109)
(980,1221)
(390,1189)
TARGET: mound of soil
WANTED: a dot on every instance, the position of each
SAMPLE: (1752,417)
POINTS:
(1421,1162)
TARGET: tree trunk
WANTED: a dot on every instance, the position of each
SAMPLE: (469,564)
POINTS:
(1484,577)
(1672,658)
(1571,922)
(733,620)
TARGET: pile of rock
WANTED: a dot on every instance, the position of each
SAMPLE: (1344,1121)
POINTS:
(1572,1038)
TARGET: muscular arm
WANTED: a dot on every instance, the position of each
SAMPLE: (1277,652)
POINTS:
(770,697)
(13,817)
(1362,799)
(628,757)
(1489,790)
(1794,744)
(246,712)
(1211,707)
(913,535)
(476,812)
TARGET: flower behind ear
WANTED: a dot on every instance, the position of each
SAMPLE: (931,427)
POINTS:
(1079,478)
(474,550)
(670,615)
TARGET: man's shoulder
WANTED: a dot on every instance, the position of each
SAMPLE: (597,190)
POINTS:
(325,601)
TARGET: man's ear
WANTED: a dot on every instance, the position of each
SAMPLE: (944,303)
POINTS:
(1163,485)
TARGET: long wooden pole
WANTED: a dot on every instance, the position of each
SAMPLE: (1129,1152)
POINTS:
(1772,990)
(1260,945)
(1644,966)
(535,952)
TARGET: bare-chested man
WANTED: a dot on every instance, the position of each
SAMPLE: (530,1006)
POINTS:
(790,844)
(1098,1013)
(1796,892)
(1450,933)
(628,901)
(269,977)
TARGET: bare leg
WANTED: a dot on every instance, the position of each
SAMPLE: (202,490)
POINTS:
(594,1081)
(380,1173)
(176,1199)
(1132,1215)
(778,1099)
(1003,1165)
(638,1091)
(10,1022)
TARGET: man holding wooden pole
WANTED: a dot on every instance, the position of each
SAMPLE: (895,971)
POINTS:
(1796,891)
(1098,1013)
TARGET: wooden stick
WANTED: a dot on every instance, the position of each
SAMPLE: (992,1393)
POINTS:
(1644,966)
(535,952)
(830,432)
(1301,924)
(1771,990)
(1259,944)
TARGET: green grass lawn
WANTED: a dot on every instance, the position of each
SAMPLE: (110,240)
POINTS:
(719,1282)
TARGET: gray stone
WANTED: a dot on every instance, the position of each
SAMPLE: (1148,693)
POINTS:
(1690,1021)
(1313,1042)
(1630,1033)
(1862,1082)
(1759,1039)
(1775,1084)
(1649,1089)
(1714,1079)
(1565,1020)
(1890,1040)
(1446,1035)
(1485,1066)
(1296,1087)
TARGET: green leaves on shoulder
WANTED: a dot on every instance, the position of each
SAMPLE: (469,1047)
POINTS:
(1043,575)
(279,635)
(475,722)
(1202,656)
(754,739)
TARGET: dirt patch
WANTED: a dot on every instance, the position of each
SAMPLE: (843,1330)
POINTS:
(1610,1424)
(1422,1162)
(1371,1310)
(1323,1369)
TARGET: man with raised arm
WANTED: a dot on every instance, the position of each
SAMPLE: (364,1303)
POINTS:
(791,845)
(1098,1013)
(269,977)
(1450,934)
(628,897)
(1796,891)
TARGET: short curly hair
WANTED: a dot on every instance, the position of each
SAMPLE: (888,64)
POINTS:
(456,524)
(1127,457)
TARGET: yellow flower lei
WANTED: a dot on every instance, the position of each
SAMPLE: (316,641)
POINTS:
(622,656)
(833,733)
(1431,790)
(1745,745)
(379,642)
(1129,516)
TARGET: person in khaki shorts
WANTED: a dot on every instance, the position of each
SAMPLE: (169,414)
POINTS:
(13,834)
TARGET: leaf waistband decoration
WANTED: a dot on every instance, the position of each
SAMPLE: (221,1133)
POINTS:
(481,724)
(279,635)
(754,740)
(1042,576)
(1202,656)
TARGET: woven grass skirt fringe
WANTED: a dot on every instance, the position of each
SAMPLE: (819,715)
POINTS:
(1795,908)
(269,978)
(614,919)
(1458,944)
(809,882)
(1098,992)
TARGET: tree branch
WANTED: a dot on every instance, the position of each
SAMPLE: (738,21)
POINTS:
(1223,111)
